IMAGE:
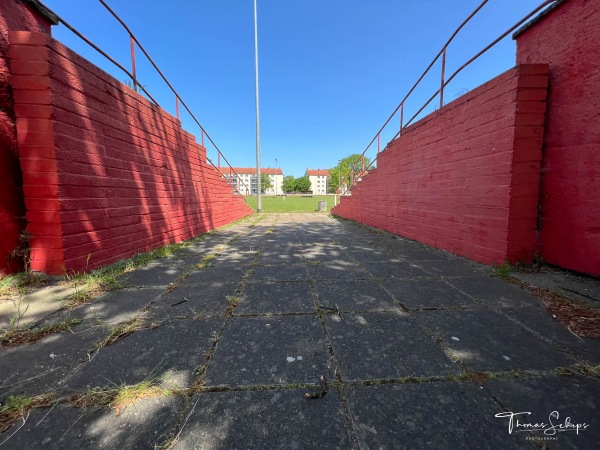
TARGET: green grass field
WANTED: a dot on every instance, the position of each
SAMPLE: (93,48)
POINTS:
(291,203)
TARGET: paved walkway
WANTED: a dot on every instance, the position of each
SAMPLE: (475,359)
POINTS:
(418,349)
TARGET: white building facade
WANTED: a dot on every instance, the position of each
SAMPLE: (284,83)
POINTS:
(247,185)
(319,180)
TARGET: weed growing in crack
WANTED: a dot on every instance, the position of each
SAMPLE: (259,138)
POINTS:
(119,332)
(232,302)
(17,284)
(18,336)
(17,407)
(206,261)
(123,396)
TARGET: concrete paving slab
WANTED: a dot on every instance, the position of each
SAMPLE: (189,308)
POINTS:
(145,424)
(324,253)
(265,419)
(217,274)
(543,324)
(276,257)
(385,345)
(234,258)
(33,369)
(574,397)
(173,350)
(428,416)
(391,269)
(154,275)
(194,300)
(276,298)
(270,350)
(483,340)
(339,269)
(354,295)
(34,306)
(427,293)
(288,272)
(110,308)
(451,266)
(573,285)
(494,291)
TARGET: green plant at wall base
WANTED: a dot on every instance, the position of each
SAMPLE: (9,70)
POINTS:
(502,270)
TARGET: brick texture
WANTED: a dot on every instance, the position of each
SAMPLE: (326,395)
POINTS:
(570,190)
(465,178)
(106,173)
(14,16)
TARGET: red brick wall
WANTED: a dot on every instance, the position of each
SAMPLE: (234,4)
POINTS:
(106,173)
(14,15)
(465,178)
(568,40)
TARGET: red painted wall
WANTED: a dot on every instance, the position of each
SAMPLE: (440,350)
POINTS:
(465,178)
(568,40)
(14,15)
(106,173)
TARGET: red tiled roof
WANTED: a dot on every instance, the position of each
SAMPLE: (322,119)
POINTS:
(317,173)
(252,170)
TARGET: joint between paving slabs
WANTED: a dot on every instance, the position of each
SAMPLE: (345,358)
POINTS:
(338,382)
(232,304)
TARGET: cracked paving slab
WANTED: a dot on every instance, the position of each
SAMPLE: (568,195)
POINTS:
(270,350)
(144,425)
(354,295)
(431,293)
(428,415)
(194,300)
(484,340)
(265,419)
(385,345)
(109,308)
(174,350)
(33,369)
(276,298)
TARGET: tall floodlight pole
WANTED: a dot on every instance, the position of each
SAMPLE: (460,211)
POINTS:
(276,174)
(258,180)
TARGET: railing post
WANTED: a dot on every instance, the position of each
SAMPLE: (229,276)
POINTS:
(378,143)
(177,106)
(202,138)
(401,117)
(219,161)
(132,46)
(443,77)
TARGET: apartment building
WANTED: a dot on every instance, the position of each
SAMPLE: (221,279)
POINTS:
(319,180)
(247,185)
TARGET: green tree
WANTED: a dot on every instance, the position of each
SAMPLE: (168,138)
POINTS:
(348,169)
(289,183)
(302,184)
(265,182)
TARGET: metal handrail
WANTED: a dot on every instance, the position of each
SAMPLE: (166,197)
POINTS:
(443,84)
(136,84)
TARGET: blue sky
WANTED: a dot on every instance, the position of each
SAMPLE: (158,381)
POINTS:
(331,72)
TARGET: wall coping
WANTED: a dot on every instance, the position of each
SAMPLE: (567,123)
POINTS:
(540,17)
